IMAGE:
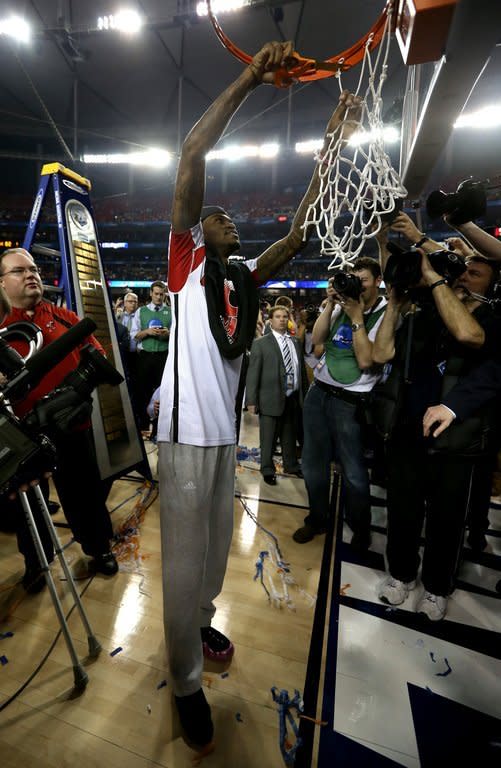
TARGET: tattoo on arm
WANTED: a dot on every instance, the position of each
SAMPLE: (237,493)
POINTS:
(278,254)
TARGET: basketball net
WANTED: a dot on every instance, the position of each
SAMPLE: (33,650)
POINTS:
(357,180)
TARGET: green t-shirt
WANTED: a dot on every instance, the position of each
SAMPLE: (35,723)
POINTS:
(149,318)
(339,355)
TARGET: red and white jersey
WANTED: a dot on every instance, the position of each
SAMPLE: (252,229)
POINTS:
(199,386)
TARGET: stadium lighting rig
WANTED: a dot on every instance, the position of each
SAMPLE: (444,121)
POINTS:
(484,118)
(151,158)
(125,20)
(235,152)
(16,28)
(222,6)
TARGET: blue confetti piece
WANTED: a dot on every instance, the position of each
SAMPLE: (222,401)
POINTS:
(225,674)
(161,684)
(447,671)
(117,650)
(420,643)
(432,657)
(239,717)
(3,635)
(4,660)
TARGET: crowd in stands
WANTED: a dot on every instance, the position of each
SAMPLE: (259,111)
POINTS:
(156,206)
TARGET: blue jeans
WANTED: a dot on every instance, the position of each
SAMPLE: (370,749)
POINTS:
(332,428)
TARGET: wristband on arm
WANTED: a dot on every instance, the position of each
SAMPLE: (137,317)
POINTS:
(443,281)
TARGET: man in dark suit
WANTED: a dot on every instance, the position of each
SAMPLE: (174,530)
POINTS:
(469,394)
(276,384)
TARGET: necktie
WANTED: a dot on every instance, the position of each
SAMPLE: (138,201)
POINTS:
(129,322)
(289,367)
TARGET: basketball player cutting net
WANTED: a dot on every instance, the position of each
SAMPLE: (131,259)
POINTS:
(215,306)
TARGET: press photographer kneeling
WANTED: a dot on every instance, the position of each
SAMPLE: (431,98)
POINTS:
(77,478)
(433,332)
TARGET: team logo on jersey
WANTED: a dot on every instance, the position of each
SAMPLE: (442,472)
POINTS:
(231,319)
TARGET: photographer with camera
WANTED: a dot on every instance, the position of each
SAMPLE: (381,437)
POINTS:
(459,210)
(333,411)
(77,478)
(432,333)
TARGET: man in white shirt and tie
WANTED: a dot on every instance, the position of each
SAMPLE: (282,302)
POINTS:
(275,386)
(127,316)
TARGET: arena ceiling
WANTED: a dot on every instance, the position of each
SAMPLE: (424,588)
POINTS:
(76,89)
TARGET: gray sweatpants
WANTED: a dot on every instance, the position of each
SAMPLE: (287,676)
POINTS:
(196,523)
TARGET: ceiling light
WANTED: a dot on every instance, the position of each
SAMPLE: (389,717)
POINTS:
(389,135)
(127,21)
(221,6)
(17,28)
(234,152)
(152,158)
(488,117)
(307,147)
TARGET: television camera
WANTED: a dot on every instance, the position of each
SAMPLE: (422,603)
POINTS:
(26,450)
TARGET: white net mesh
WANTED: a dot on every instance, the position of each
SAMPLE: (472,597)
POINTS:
(357,181)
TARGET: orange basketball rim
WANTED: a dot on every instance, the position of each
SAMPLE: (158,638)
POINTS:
(305,69)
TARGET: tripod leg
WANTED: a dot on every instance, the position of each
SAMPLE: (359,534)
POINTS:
(79,674)
(94,645)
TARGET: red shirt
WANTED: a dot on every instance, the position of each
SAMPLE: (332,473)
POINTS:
(45,318)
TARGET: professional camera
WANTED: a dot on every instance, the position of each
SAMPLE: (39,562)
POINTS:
(389,218)
(311,313)
(26,451)
(347,284)
(403,268)
(370,207)
(70,404)
(308,316)
(467,203)
(23,456)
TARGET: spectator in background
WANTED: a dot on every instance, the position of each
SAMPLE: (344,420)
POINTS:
(150,330)
(153,410)
(126,317)
(311,352)
(286,301)
(276,384)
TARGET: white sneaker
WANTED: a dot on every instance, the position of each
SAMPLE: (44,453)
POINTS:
(432,606)
(395,592)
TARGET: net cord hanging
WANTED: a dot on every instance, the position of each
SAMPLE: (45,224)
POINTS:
(356,182)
